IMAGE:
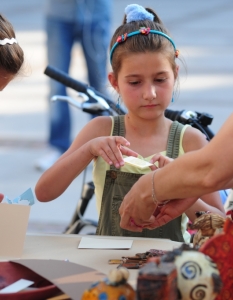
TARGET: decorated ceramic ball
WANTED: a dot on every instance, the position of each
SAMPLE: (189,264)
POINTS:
(198,276)
(114,287)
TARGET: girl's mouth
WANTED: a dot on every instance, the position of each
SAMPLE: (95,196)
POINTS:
(150,105)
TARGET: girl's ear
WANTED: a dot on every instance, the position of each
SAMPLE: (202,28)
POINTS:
(112,79)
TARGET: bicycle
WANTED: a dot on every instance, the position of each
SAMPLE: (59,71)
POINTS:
(95,103)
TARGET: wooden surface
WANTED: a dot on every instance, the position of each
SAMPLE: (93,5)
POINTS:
(65,247)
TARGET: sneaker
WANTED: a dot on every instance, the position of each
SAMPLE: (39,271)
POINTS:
(45,162)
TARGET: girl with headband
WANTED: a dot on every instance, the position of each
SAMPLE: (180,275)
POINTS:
(11,55)
(144,72)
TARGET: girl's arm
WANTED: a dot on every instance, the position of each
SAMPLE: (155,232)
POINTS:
(92,141)
(206,203)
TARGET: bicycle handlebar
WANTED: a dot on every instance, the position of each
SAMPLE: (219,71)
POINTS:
(78,86)
(65,79)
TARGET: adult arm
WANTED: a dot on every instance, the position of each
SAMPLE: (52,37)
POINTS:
(199,172)
(194,139)
(194,174)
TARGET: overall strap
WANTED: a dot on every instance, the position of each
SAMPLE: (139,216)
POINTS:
(119,126)
(173,143)
(118,130)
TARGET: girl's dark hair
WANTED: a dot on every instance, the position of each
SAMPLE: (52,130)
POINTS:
(142,43)
(11,56)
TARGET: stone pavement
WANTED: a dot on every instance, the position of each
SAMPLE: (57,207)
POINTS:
(202,32)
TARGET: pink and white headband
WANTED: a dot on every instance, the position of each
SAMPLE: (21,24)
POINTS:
(8,41)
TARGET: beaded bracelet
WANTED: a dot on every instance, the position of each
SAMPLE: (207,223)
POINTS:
(155,200)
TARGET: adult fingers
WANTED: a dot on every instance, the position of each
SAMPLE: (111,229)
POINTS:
(134,224)
(160,220)
(129,224)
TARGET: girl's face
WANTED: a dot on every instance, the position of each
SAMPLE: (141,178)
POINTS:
(5,78)
(145,82)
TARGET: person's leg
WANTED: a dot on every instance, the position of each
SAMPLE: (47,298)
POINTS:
(59,44)
(95,41)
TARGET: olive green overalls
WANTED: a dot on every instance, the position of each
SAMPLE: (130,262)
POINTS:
(118,184)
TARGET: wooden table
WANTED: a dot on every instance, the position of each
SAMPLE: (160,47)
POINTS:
(65,247)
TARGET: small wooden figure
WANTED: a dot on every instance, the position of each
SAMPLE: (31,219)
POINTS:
(115,287)
(207,225)
(157,281)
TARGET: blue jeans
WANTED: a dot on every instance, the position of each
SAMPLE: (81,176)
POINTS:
(93,32)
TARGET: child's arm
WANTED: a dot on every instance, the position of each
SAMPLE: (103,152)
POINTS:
(92,141)
(211,202)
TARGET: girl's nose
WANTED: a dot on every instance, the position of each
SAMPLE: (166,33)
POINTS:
(149,93)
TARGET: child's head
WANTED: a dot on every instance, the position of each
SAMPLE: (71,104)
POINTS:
(135,18)
(11,54)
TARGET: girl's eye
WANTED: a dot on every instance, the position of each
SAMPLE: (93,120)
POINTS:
(134,82)
(160,79)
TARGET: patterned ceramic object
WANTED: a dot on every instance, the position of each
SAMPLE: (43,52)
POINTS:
(115,287)
(220,249)
(198,276)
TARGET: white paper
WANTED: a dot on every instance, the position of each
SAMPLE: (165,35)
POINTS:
(93,243)
(16,286)
(140,163)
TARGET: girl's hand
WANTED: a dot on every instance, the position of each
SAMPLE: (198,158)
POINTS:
(1,197)
(111,148)
(161,159)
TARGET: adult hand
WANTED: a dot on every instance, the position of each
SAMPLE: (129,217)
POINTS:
(171,210)
(1,197)
(111,148)
(137,207)
(138,210)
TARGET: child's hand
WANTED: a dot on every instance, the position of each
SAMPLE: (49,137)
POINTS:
(128,152)
(111,148)
(161,159)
